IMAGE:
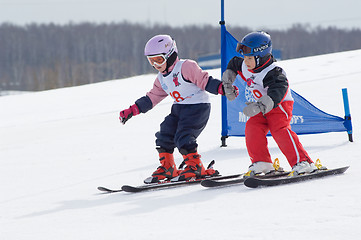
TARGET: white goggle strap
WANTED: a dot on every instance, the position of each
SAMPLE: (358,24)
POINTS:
(170,51)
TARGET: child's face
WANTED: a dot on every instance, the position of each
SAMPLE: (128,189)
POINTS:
(250,62)
(159,62)
(161,68)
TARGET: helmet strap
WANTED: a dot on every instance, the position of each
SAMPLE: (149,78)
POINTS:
(257,59)
(171,60)
(261,62)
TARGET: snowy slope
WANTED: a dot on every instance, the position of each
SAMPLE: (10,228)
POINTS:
(57,146)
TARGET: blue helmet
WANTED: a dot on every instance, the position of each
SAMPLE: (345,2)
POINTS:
(255,44)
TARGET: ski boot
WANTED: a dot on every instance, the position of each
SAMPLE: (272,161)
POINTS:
(194,167)
(258,168)
(167,169)
(306,167)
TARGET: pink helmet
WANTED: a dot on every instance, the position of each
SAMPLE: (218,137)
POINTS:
(160,44)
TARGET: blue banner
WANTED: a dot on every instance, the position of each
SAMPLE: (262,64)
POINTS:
(307,119)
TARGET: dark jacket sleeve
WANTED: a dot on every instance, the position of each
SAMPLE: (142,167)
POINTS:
(144,104)
(277,84)
(213,85)
(235,64)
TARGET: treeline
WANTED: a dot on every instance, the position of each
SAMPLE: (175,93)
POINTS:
(46,56)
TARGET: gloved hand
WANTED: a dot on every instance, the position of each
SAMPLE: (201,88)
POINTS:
(263,105)
(126,114)
(221,90)
(228,78)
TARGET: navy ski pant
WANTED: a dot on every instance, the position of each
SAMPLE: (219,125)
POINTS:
(182,126)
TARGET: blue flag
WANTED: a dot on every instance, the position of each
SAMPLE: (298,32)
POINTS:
(307,119)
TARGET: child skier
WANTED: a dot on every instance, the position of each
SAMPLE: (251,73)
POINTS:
(187,84)
(272,110)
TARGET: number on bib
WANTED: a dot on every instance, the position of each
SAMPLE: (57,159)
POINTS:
(257,94)
(176,95)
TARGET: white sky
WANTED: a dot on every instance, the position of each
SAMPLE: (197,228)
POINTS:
(274,14)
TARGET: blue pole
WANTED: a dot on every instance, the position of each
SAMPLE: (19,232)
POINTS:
(347,122)
(223,68)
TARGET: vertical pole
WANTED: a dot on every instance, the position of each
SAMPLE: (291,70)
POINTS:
(346,106)
(223,68)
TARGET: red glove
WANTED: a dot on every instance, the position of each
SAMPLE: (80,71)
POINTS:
(221,89)
(126,114)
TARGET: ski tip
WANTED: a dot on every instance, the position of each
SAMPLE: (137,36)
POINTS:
(207,183)
(345,168)
(103,189)
(251,182)
(107,190)
(338,170)
(127,188)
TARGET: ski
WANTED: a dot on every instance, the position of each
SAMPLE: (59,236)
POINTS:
(163,184)
(254,182)
(107,190)
(218,183)
(238,180)
(169,184)
(153,186)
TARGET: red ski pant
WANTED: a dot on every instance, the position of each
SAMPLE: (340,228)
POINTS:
(277,121)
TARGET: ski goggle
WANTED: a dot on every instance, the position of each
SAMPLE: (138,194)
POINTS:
(243,49)
(156,59)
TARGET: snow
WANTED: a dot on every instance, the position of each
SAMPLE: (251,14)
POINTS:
(58,146)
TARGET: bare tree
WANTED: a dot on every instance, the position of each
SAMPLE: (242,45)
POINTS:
(46,56)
